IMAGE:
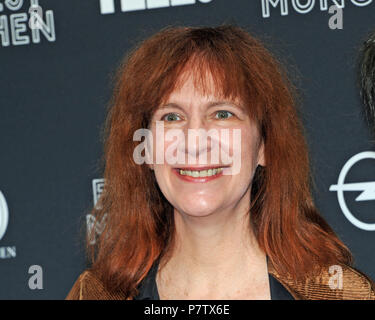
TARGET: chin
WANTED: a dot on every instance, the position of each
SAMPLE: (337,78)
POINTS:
(198,210)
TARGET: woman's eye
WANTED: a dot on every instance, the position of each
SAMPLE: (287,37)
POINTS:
(223,114)
(171,117)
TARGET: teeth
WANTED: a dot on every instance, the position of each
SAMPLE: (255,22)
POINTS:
(201,173)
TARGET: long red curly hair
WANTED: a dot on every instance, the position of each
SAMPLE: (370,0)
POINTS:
(139,220)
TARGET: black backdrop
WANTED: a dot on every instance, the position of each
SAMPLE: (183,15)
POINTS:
(53,97)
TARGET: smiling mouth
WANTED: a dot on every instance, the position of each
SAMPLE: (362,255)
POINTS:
(202,174)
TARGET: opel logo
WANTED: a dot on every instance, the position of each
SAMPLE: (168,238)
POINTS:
(367,190)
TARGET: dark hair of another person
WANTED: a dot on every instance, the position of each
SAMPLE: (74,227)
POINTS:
(367,78)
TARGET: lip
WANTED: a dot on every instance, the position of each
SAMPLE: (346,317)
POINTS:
(198,179)
(201,167)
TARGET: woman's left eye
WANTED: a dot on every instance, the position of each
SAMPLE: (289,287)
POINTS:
(223,114)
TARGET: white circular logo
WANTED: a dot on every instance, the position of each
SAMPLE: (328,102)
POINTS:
(367,188)
(4,215)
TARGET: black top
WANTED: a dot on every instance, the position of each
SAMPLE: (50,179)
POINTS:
(148,289)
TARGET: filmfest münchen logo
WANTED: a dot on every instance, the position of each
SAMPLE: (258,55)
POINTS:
(306,6)
(24,22)
(367,189)
(97,188)
(108,6)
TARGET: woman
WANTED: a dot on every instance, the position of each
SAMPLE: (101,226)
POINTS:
(193,231)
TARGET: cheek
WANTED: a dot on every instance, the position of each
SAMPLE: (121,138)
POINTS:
(162,179)
(166,143)
(249,149)
(161,165)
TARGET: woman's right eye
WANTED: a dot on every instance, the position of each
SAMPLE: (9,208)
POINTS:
(170,117)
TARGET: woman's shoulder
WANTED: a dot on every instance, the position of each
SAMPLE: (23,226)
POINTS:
(88,286)
(337,282)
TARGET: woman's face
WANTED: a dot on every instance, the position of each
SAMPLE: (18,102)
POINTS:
(204,192)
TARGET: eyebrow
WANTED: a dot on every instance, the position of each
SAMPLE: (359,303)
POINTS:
(207,105)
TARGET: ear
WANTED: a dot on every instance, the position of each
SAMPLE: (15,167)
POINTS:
(261,155)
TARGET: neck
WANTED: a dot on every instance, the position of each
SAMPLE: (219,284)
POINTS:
(220,247)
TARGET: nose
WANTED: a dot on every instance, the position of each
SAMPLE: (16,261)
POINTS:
(198,142)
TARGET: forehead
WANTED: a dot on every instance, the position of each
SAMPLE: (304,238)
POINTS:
(191,88)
